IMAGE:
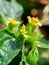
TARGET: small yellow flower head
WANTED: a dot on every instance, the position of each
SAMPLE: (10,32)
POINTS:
(23,31)
(12,21)
(34,21)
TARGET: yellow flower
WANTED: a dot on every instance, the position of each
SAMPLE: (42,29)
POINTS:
(34,21)
(13,21)
(23,31)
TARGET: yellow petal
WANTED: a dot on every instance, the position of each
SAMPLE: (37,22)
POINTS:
(29,19)
(39,24)
(13,21)
(34,21)
(23,31)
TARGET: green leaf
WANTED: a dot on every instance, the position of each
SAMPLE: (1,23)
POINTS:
(9,48)
(33,56)
(10,10)
(43,43)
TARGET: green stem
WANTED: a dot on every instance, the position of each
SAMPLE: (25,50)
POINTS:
(23,52)
(23,56)
(22,49)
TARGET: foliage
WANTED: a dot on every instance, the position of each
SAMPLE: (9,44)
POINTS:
(10,9)
(17,38)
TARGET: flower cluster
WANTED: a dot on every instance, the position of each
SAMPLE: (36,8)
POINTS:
(13,21)
(24,32)
(34,21)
